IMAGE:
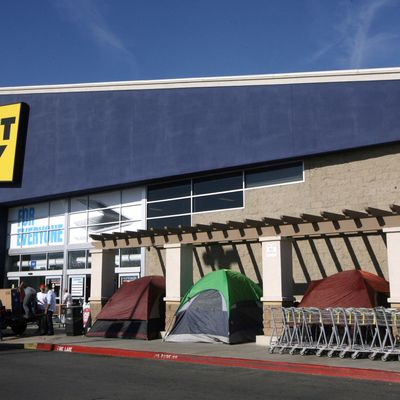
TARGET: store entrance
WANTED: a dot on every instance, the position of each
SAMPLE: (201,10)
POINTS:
(55,282)
(33,281)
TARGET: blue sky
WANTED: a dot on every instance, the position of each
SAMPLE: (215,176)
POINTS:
(71,41)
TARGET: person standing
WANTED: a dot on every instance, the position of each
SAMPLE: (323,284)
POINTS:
(67,298)
(50,308)
(66,302)
(41,300)
(28,297)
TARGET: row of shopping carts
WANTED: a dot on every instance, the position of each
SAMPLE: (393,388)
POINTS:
(372,332)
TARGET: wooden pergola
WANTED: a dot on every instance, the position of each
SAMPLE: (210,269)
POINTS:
(306,225)
(275,236)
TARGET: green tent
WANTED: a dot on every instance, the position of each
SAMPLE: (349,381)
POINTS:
(222,306)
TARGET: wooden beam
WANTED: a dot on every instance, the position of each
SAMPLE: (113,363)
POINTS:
(97,237)
(236,224)
(377,212)
(395,208)
(144,232)
(135,235)
(271,221)
(337,226)
(159,231)
(109,236)
(354,214)
(312,217)
(219,226)
(173,230)
(254,223)
(204,228)
(332,216)
(291,220)
(121,235)
(132,234)
(188,229)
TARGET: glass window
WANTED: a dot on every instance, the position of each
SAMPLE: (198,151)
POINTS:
(12,264)
(15,241)
(56,261)
(128,258)
(57,208)
(99,229)
(218,201)
(168,191)
(79,204)
(13,214)
(134,195)
(34,262)
(131,213)
(78,235)
(104,216)
(103,200)
(77,259)
(274,175)
(78,219)
(37,211)
(168,208)
(56,237)
(131,226)
(218,183)
(184,220)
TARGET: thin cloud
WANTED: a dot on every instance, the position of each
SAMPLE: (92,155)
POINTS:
(354,46)
(88,16)
(359,46)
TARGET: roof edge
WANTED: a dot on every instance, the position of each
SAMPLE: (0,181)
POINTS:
(351,75)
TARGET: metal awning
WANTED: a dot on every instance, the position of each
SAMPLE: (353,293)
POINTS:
(327,223)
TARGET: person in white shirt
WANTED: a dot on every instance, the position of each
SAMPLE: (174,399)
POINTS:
(50,308)
(41,301)
(66,302)
(67,298)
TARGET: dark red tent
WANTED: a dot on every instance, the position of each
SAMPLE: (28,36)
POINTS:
(136,310)
(353,288)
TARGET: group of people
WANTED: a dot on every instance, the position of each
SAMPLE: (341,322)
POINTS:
(41,305)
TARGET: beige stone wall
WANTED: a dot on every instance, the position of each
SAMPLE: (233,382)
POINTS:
(353,179)
(170,310)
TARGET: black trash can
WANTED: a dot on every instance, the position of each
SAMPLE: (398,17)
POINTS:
(73,321)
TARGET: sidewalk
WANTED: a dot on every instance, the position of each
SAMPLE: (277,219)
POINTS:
(247,355)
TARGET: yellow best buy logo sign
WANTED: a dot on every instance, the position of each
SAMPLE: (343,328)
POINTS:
(13,124)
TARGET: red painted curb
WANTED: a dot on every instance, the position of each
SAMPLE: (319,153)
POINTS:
(45,346)
(277,366)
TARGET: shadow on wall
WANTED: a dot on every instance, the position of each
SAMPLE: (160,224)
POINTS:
(313,258)
(217,256)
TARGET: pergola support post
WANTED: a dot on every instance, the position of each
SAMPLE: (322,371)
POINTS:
(393,257)
(178,279)
(102,282)
(277,273)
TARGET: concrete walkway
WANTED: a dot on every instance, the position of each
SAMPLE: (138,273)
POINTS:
(248,355)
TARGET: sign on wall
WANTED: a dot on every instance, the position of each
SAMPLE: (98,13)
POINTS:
(35,227)
(127,278)
(13,125)
(77,286)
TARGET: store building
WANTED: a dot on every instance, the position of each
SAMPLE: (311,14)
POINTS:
(93,160)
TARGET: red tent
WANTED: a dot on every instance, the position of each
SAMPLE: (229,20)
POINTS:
(136,310)
(353,288)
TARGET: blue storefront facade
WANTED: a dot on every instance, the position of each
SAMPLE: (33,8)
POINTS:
(100,158)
